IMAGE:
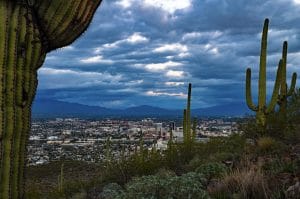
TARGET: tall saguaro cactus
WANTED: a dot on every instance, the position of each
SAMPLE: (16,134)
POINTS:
(262,110)
(187,123)
(28,30)
(285,92)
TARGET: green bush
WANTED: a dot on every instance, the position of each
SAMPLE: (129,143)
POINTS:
(190,185)
(112,191)
(268,145)
(276,166)
(212,170)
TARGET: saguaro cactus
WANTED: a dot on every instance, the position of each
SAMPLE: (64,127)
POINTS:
(28,30)
(285,92)
(187,134)
(262,109)
(61,180)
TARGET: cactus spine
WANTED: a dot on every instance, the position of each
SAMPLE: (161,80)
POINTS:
(29,29)
(285,92)
(262,110)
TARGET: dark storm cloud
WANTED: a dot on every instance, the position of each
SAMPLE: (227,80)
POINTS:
(136,52)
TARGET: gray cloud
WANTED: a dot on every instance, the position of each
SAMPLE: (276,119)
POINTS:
(140,53)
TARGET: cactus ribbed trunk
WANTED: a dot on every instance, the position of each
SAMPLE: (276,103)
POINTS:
(261,119)
(263,109)
(283,86)
(21,54)
(188,113)
(28,30)
(184,126)
(285,92)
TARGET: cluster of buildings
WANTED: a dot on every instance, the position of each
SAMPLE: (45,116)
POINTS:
(90,140)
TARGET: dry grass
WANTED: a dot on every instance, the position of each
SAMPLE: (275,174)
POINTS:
(266,144)
(245,183)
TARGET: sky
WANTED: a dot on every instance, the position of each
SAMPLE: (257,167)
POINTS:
(145,52)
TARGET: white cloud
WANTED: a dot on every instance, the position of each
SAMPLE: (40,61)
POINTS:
(174,83)
(169,6)
(68,48)
(211,49)
(296,1)
(182,50)
(158,93)
(207,34)
(162,66)
(176,74)
(125,3)
(136,38)
(66,78)
(96,60)
(214,81)
(177,47)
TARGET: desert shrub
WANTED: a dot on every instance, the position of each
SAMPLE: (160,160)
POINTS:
(267,145)
(189,185)
(33,194)
(212,170)
(138,164)
(81,195)
(195,163)
(112,191)
(225,156)
(247,183)
(276,166)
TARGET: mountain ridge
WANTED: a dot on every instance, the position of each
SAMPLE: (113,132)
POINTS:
(44,108)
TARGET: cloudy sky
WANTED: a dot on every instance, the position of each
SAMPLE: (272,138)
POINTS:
(144,52)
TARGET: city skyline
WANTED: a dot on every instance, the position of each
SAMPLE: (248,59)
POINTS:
(146,52)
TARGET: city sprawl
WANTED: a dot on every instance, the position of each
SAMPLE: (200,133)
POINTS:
(86,140)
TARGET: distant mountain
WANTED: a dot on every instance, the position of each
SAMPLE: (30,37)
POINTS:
(149,110)
(233,109)
(51,108)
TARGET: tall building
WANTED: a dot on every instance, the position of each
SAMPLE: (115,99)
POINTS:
(172,126)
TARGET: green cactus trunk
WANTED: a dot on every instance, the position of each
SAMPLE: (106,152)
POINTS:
(25,37)
(61,180)
(285,92)
(188,113)
(21,54)
(187,135)
(194,134)
(262,109)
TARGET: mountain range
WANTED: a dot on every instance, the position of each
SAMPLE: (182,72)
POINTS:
(44,108)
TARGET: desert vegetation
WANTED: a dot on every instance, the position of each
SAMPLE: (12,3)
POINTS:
(263,161)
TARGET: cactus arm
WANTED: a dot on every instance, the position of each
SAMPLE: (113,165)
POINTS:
(284,92)
(275,93)
(262,67)
(249,101)
(71,18)
(283,87)
(293,85)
